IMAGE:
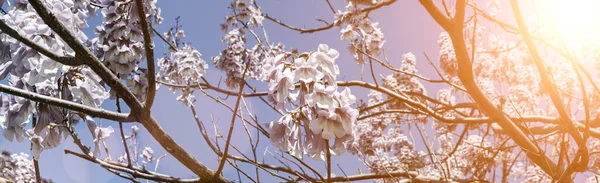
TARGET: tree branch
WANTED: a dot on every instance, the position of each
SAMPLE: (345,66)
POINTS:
(149,49)
(92,111)
(549,85)
(136,173)
(86,55)
(136,106)
(465,70)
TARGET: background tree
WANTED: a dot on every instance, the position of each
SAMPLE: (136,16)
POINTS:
(514,97)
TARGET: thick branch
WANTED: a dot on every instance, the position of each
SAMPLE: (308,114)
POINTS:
(465,70)
(550,87)
(411,175)
(92,111)
(136,106)
(149,49)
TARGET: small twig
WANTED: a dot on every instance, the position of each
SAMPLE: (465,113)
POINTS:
(330,6)
(123,135)
(38,177)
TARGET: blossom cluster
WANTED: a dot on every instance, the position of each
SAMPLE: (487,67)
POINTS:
(323,113)
(120,42)
(182,66)
(27,69)
(381,140)
(17,167)
(185,67)
(244,12)
(241,64)
(364,35)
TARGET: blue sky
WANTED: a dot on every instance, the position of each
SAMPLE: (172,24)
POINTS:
(407,28)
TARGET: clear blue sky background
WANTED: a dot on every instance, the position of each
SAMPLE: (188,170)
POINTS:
(407,28)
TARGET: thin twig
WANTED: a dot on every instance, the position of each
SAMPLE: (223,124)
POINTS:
(230,133)
(123,135)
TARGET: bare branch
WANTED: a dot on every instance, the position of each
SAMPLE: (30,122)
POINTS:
(92,111)
(149,49)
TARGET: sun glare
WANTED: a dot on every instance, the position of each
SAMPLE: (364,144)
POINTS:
(574,21)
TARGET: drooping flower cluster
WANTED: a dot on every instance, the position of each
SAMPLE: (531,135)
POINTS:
(244,12)
(324,113)
(364,35)
(240,63)
(120,42)
(473,157)
(184,65)
(24,62)
(27,69)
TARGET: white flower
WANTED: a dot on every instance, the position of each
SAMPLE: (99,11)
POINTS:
(99,134)
(147,155)
(135,128)
(279,132)
(322,96)
(52,138)
(348,33)
(180,34)
(17,167)
(187,97)
(280,86)
(86,92)
(316,146)
(16,118)
(138,84)
(325,58)
(335,116)
(306,70)
(36,144)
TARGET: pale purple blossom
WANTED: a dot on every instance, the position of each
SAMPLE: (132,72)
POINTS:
(147,155)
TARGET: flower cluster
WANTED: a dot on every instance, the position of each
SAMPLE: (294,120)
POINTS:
(406,82)
(240,63)
(324,113)
(120,42)
(244,12)
(17,167)
(26,63)
(448,62)
(382,142)
(183,66)
(26,69)
(364,35)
